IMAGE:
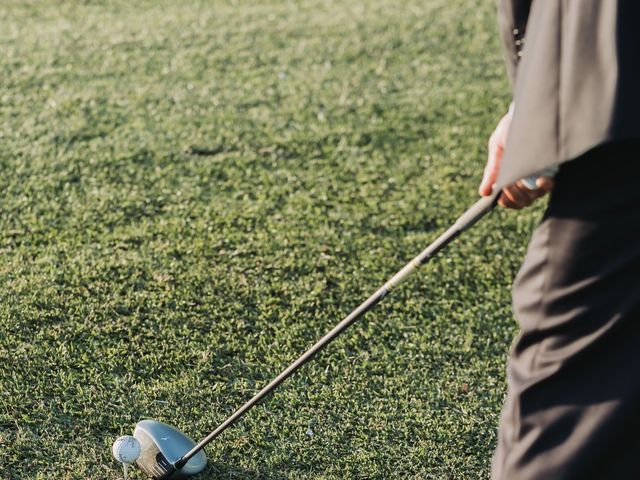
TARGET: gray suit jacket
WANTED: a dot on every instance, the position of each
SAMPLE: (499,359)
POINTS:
(575,70)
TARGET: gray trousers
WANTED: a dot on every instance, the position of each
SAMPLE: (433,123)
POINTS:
(573,402)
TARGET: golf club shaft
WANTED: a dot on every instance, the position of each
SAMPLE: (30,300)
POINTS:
(471,216)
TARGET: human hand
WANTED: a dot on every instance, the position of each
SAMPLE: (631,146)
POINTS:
(516,195)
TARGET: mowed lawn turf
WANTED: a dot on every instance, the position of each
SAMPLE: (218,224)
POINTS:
(193,192)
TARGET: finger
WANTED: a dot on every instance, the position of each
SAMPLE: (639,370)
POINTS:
(491,170)
(545,184)
(517,196)
(531,193)
(505,202)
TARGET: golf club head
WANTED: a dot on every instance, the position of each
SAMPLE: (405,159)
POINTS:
(161,446)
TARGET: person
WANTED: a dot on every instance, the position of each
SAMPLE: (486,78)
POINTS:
(572,409)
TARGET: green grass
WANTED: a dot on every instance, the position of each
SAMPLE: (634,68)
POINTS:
(193,192)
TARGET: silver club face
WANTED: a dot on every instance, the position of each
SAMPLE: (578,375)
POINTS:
(161,446)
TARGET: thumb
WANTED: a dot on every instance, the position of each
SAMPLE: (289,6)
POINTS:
(491,170)
(496,145)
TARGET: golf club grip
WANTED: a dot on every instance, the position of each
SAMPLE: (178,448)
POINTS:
(477,211)
(471,216)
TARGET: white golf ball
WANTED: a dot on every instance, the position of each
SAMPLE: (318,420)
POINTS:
(126,449)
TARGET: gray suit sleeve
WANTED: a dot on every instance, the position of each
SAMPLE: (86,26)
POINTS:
(512,21)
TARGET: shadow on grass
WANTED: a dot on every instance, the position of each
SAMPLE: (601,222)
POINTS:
(225,471)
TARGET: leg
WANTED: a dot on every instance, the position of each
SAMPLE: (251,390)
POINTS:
(573,401)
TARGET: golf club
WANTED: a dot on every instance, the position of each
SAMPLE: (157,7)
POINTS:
(168,453)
